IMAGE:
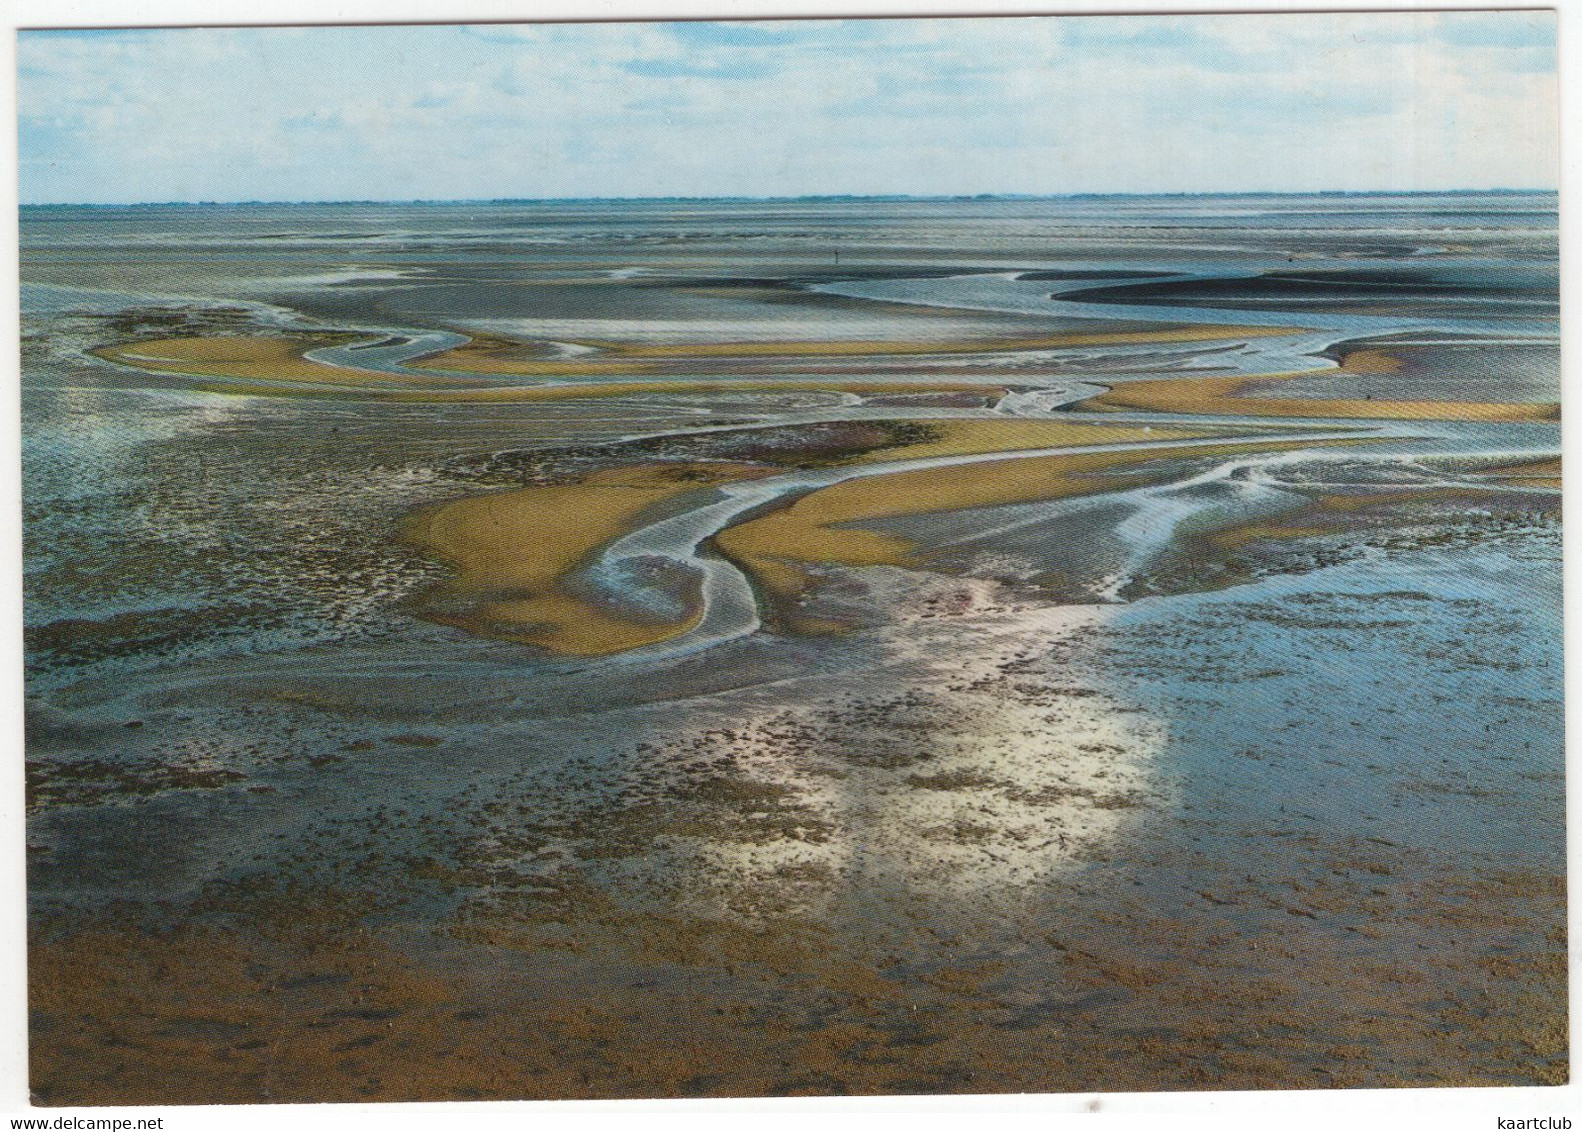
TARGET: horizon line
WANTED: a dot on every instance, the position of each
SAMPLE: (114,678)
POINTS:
(809,197)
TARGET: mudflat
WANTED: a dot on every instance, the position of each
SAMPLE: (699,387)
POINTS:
(1016,657)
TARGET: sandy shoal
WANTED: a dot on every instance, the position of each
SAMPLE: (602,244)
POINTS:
(778,549)
(1221,396)
(264,366)
(512,550)
(253,358)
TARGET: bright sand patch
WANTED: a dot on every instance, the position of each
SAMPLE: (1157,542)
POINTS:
(281,358)
(1221,396)
(1370,361)
(969,437)
(252,358)
(777,549)
(512,551)
(242,363)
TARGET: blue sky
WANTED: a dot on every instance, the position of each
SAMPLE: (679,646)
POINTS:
(929,106)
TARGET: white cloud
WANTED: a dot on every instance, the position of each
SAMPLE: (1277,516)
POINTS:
(926,106)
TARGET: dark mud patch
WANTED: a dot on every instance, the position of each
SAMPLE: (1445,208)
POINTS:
(82,782)
(790,446)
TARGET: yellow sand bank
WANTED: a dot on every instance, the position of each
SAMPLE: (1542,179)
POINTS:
(241,365)
(281,359)
(254,358)
(1220,396)
(511,551)
(970,437)
(777,549)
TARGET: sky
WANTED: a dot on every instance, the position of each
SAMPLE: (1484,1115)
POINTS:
(1038,105)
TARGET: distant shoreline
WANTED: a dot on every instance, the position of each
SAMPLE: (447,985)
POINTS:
(835,198)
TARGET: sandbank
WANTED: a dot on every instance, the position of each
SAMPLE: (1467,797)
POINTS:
(270,366)
(1220,396)
(255,358)
(778,549)
(512,551)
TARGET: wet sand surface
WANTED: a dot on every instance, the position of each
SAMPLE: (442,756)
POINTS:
(921,724)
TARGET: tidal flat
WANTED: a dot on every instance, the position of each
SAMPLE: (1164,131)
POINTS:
(807,647)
